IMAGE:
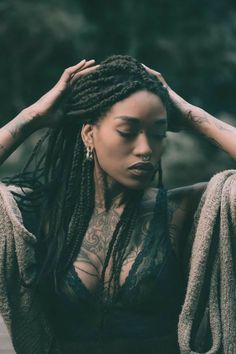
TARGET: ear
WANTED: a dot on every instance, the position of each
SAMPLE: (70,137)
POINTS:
(87,134)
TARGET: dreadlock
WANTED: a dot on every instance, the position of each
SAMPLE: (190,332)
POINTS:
(68,187)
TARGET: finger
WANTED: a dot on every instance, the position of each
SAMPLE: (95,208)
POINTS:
(146,67)
(157,74)
(151,71)
(76,67)
(69,72)
(88,64)
(89,69)
(84,72)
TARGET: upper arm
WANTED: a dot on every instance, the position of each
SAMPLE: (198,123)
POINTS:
(182,204)
(28,212)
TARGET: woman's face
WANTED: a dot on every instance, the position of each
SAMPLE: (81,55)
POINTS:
(134,127)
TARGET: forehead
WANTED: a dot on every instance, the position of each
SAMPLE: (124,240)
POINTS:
(140,106)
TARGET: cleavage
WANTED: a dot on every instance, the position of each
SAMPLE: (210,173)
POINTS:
(90,260)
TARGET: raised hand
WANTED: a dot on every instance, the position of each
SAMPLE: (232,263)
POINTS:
(48,110)
(178,118)
(158,76)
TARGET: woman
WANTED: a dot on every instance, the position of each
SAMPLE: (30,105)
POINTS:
(98,266)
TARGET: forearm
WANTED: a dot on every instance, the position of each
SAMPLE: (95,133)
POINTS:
(47,112)
(15,132)
(220,133)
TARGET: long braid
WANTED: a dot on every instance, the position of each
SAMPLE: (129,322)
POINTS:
(119,242)
(121,222)
(121,246)
(75,175)
(80,218)
(54,211)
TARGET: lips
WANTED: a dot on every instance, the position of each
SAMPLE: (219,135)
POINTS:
(140,166)
(141,170)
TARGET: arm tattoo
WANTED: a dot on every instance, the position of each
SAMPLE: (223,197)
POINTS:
(2,148)
(17,129)
(199,118)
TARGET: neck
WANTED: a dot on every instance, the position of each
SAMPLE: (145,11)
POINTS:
(109,194)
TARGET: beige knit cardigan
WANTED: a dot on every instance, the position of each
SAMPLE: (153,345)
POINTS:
(24,316)
(215,223)
(27,323)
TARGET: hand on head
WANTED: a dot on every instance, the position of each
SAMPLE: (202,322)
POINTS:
(48,110)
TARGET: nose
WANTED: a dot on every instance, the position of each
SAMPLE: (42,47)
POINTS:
(142,146)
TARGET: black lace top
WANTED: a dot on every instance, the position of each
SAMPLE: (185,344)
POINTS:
(143,317)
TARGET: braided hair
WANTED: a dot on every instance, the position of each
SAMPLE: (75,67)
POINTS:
(68,176)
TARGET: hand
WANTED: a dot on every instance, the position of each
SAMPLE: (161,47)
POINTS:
(48,110)
(176,119)
(158,76)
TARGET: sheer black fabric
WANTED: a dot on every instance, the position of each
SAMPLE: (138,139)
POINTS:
(145,310)
(142,317)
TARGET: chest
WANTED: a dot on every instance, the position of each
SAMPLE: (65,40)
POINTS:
(90,260)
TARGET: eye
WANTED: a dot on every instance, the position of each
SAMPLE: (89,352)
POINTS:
(133,134)
(126,134)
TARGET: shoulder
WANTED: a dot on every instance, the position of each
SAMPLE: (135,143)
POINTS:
(186,197)
(149,201)
(28,209)
(182,205)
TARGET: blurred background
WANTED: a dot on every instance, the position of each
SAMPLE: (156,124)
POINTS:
(192,43)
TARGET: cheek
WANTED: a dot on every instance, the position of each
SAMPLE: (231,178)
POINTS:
(111,150)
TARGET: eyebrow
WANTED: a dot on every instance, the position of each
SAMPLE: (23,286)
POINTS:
(135,120)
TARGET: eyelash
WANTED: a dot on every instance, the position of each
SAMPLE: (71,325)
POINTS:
(131,135)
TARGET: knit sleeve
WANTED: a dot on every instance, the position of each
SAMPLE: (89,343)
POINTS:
(211,280)
(21,309)
(28,211)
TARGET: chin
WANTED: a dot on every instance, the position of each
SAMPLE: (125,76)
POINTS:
(137,185)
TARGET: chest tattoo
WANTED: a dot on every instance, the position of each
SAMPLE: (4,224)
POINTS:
(90,260)
(95,243)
